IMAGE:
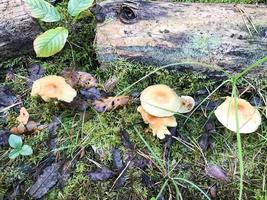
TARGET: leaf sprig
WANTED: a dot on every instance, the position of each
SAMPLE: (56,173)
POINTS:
(53,41)
(16,143)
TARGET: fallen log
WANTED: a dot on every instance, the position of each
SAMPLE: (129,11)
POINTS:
(229,37)
(17,29)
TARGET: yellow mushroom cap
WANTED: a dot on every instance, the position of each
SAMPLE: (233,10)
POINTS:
(188,104)
(51,87)
(160,100)
(158,125)
(248,116)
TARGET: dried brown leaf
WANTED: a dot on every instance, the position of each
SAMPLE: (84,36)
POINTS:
(31,126)
(71,76)
(4,135)
(23,116)
(110,103)
(45,181)
(86,80)
(110,84)
(216,172)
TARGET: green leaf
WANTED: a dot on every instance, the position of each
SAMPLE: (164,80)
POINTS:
(15,141)
(14,153)
(77,6)
(42,10)
(50,42)
(26,150)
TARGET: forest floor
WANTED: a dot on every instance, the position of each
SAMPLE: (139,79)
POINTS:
(75,142)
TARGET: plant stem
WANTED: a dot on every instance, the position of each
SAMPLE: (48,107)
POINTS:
(239,143)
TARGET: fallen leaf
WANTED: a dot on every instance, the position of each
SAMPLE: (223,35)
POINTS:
(6,97)
(110,103)
(52,134)
(78,103)
(121,180)
(23,116)
(65,173)
(101,174)
(4,135)
(35,71)
(168,143)
(137,160)
(71,76)
(86,80)
(78,78)
(31,126)
(93,93)
(117,161)
(110,84)
(45,181)
(205,140)
(216,172)
(213,191)
(21,128)
(125,139)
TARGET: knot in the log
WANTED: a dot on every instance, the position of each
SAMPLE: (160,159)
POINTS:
(128,12)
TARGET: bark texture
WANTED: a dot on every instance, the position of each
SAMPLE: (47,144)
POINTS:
(17,29)
(228,36)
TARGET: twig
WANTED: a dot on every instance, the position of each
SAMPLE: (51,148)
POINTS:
(125,168)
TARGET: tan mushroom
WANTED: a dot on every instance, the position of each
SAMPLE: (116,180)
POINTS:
(249,117)
(51,87)
(160,100)
(158,125)
(188,104)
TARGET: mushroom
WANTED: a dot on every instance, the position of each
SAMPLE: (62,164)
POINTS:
(188,104)
(158,125)
(160,100)
(51,87)
(248,116)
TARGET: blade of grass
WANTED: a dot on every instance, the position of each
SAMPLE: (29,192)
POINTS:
(239,143)
(176,189)
(170,65)
(155,156)
(193,185)
(162,189)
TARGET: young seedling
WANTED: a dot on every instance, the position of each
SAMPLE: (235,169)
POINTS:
(18,148)
(53,40)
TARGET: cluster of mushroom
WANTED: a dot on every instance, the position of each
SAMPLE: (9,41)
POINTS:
(159,103)
(233,110)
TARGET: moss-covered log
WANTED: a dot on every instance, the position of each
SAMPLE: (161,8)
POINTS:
(159,33)
(17,29)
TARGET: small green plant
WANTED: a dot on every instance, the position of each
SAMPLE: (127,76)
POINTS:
(52,41)
(18,148)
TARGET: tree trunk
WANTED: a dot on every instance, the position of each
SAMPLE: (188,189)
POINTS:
(229,37)
(17,29)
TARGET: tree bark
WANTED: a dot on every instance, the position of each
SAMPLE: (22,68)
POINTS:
(17,29)
(229,37)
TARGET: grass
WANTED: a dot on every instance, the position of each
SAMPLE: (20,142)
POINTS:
(247,179)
